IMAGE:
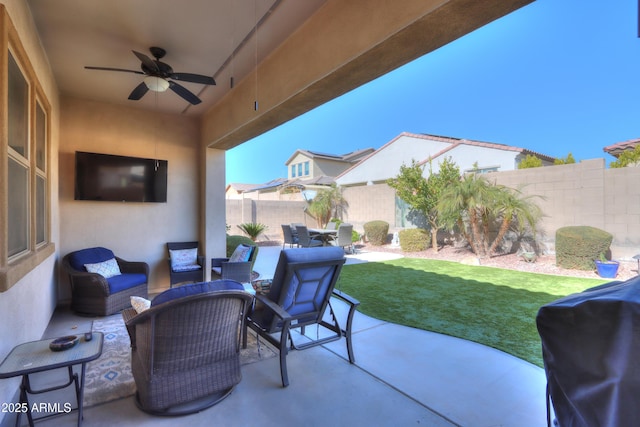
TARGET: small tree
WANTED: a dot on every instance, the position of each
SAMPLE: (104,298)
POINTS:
(564,161)
(627,158)
(473,205)
(423,194)
(530,161)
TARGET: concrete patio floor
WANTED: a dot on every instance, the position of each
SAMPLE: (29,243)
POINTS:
(402,376)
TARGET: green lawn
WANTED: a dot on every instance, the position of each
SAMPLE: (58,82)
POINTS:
(491,306)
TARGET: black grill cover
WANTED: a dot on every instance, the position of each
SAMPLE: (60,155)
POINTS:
(591,352)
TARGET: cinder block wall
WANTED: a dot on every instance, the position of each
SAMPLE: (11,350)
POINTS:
(272,213)
(584,193)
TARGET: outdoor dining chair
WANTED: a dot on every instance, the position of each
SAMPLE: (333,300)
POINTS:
(288,236)
(304,238)
(344,237)
(299,296)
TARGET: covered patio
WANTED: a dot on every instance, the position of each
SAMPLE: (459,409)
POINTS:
(402,376)
(306,58)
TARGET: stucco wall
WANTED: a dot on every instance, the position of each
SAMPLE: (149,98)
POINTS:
(134,231)
(26,308)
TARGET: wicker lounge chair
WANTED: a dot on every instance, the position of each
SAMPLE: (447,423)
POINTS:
(302,286)
(185,352)
(95,294)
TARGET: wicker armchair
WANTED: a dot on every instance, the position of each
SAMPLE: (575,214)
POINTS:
(185,352)
(185,273)
(299,295)
(94,294)
(228,269)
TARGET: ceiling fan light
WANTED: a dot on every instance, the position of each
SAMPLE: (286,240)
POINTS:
(156,84)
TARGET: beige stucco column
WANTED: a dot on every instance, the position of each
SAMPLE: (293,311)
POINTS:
(213,207)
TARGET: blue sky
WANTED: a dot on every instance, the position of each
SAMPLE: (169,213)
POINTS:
(556,76)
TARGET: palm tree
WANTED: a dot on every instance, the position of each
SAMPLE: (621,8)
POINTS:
(514,207)
(328,203)
(474,204)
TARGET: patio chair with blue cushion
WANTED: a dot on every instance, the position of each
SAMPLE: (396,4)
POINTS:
(238,267)
(185,265)
(185,346)
(299,296)
(102,283)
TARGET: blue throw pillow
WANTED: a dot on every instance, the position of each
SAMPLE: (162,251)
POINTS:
(195,289)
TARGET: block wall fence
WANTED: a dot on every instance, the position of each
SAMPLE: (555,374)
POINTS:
(585,193)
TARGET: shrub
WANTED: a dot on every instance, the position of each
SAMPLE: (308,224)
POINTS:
(234,241)
(530,161)
(252,229)
(414,239)
(355,236)
(376,232)
(578,246)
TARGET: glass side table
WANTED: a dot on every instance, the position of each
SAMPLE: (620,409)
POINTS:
(36,356)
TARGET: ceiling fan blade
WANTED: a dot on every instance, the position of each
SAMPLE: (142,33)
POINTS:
(193,78)
(184,93)
(114,69)
(138,92)
(148,62)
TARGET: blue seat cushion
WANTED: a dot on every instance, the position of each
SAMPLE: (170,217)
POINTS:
(195,289)
(125,281)
(89,256)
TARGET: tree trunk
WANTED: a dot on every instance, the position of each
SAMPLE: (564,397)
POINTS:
(434,239)
(504,227)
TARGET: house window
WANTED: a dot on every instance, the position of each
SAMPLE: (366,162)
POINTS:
(480,171)
(25,194)
(299,169)
(306,168)
(19,165)
(293,171)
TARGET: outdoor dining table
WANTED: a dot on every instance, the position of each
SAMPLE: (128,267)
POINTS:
(325,235)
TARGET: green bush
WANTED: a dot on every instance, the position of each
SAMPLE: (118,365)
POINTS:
(578,246)
(414,239)
(234,241)
(376,232)
(253,229)
(355,236)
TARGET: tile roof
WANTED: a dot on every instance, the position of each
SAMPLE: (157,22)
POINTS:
(617,148)
(348,157)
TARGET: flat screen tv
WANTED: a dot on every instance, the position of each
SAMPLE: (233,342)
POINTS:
(106,177)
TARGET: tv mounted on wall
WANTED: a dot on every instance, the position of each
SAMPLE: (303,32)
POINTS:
(106,177)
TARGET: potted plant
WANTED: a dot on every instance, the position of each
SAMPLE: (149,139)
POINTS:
(607,269)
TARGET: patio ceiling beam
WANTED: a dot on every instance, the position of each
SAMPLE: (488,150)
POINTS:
(343,46)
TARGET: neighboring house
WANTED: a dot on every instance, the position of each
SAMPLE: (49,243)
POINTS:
(307,164)
(235,190)
(469,155)
(308,171)
(618,148)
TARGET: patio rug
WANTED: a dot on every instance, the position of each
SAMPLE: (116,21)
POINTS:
(109,377)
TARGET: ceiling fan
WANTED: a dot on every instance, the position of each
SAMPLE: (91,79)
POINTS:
(157,77)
